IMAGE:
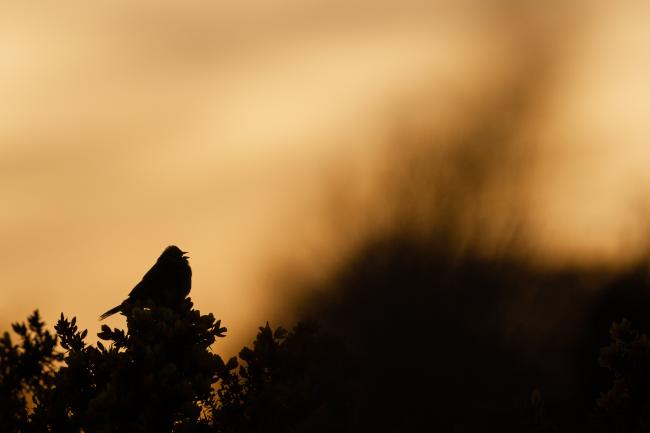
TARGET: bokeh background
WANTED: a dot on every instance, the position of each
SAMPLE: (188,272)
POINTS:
(269,140)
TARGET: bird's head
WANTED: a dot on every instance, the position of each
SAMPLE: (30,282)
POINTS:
(173,253)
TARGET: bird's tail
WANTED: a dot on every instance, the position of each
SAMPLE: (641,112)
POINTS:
(111,312)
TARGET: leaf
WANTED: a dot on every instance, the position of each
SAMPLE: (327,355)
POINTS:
(280,333)
(232,363)
(19,328)
(246,354)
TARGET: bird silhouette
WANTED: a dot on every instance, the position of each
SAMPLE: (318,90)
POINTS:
(168,282)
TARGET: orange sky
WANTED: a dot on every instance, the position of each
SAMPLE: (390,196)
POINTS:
(225,127)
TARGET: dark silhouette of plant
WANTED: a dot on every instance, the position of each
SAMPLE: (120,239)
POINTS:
(26,371)
(160,375)
(415,343)
(157,377)
(297,381)
(625,407)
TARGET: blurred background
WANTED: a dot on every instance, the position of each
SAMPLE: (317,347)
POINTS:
(272,139)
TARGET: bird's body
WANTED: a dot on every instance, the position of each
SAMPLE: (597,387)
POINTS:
(168,282)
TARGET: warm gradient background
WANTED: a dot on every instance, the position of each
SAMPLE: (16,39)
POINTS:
(259,135)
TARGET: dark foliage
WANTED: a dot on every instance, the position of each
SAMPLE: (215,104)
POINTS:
(161,376)
(155,377)
(625,407)
(26,371)
(298,381)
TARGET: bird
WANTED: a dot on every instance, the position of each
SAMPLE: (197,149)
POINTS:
(168,282)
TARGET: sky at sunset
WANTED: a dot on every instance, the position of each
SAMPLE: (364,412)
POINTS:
(255,136)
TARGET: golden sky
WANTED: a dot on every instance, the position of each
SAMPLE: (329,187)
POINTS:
(225,127)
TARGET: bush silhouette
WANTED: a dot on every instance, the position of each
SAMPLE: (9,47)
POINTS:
(624,407)
(160,375)
(155,377)
(298,381)
(27,371)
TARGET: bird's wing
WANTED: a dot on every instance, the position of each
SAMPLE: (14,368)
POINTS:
(140,290)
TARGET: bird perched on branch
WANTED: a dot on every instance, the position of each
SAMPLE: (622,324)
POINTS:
(168,282)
